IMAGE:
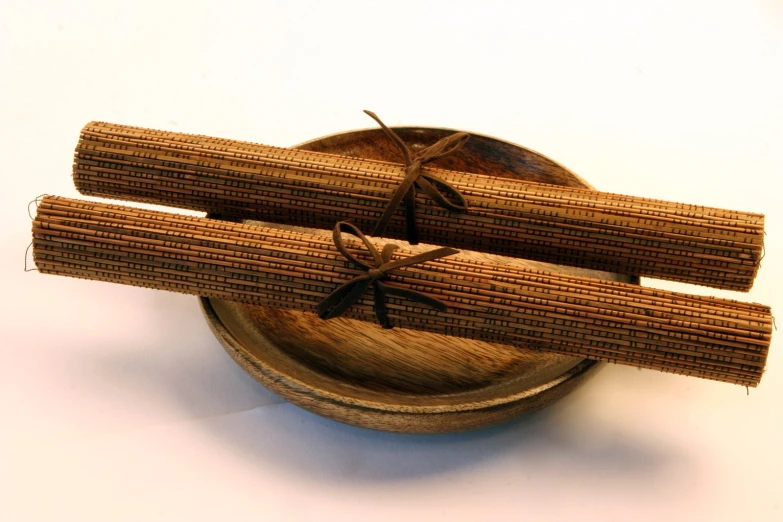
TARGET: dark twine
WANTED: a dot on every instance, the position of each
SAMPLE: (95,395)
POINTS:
(415,178)
(336,303)
(27,250)
(36,201)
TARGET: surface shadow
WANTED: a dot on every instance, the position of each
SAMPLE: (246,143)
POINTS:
(176,365)
(288,439)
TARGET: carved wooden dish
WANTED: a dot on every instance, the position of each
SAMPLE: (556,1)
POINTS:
(401,380)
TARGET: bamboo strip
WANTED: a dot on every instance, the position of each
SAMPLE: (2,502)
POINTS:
(706,337)
(567,226)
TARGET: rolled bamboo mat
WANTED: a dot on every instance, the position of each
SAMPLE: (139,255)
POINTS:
(701,336)
(561,225)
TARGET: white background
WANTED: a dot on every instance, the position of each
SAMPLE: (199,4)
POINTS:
(118,404)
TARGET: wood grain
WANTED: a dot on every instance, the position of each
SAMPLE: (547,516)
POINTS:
(398,380)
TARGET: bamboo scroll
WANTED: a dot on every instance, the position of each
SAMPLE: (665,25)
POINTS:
(566,226)
(701,336)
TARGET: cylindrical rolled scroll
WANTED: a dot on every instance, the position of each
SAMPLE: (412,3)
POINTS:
(561,225)
(701,336)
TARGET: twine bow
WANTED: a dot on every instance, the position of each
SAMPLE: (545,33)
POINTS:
(336,303)
(415,178)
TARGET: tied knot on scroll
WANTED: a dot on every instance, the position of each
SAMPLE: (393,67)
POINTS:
(336,303)
(416,178)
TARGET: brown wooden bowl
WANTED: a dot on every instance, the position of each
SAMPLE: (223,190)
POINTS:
(402,380)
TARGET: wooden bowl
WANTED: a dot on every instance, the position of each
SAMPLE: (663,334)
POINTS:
(402,380)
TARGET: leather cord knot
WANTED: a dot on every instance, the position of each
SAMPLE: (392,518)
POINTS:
(376,274)
(336,303)
(415,178)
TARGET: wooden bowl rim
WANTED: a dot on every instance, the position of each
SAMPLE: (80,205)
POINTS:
(293,388)
(413,128)
(283,383)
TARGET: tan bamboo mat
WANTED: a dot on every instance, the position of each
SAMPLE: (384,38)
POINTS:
(567,226)
(700,336)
